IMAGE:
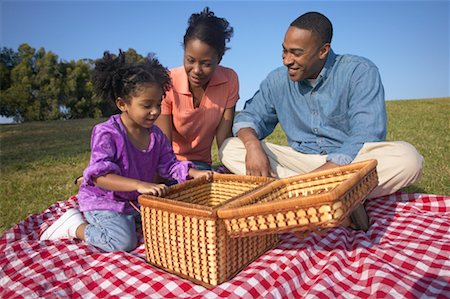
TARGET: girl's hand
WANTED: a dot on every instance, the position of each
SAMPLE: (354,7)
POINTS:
(195,173)
(159,190)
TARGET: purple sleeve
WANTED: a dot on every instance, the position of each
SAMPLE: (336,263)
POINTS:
(169,166)
(103,150)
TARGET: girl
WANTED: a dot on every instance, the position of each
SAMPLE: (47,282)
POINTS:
(126,153)
(201,104)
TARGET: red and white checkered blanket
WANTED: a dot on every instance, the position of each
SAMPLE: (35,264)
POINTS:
(405,254)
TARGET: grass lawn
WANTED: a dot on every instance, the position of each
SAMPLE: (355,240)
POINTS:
(39,160)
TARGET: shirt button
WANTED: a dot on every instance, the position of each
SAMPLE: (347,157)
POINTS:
(315,112)
(315,130)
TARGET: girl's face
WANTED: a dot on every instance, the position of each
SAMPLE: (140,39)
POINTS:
(200,62)
(144,107)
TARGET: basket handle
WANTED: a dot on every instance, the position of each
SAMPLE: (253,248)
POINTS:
(134,206)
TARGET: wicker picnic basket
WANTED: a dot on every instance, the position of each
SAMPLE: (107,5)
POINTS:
(310,202)
(184,236)
(208,230)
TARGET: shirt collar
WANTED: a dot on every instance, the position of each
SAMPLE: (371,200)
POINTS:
(217,79)
(331,58)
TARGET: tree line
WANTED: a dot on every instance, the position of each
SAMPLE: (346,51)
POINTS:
(35,85)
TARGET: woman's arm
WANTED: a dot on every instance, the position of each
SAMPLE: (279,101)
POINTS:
(224,129)
(165,123)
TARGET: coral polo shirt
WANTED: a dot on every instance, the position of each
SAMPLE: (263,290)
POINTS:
(195,128)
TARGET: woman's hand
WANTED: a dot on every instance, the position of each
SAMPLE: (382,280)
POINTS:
(159,190)
(195,173)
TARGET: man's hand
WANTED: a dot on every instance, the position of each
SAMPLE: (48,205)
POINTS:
(256,160)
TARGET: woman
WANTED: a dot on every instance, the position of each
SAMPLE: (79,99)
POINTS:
(201,104)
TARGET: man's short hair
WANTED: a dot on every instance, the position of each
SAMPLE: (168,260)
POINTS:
(317,23)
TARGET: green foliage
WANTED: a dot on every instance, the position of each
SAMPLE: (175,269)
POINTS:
(35,85)
(8,60)
(80,100)
(40,160)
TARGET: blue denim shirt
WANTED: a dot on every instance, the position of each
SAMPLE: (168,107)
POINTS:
(344,110)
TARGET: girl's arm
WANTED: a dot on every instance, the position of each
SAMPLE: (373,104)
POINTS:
(165,123)
(224,129)
(114,182)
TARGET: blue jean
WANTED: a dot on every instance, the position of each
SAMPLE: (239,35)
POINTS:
(111,231)
(200,165)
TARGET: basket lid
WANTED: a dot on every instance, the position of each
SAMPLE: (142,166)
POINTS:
(284,204)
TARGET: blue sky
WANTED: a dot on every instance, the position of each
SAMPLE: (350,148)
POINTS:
(408,40)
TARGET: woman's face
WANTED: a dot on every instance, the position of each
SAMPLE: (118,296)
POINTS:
(200,62)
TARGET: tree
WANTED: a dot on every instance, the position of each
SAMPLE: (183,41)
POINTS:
(80,100)
(17,100)
(34,91)
(133,57)
(35,85)
(48,80)
(8,60)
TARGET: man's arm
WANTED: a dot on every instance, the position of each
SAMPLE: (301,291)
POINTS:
(366,114)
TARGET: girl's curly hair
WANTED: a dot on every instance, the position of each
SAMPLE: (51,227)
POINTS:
(113,77)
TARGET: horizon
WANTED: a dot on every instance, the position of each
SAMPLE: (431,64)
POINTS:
(407,40)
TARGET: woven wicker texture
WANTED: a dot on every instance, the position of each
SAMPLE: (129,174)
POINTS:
(184,236)
(310,202)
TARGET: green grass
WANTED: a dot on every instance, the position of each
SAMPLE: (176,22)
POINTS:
(39,160)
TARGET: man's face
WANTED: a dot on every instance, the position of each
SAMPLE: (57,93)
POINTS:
(303,54)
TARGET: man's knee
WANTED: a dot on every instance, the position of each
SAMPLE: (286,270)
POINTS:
(228,146)
(410,161)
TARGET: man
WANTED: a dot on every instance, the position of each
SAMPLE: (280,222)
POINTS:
(331,108)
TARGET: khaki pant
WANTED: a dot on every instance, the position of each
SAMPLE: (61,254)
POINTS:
(399,163)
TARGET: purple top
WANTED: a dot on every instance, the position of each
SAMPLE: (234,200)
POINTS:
(113,152)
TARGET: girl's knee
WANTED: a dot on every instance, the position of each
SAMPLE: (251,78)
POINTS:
(111,231)
(124,244)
